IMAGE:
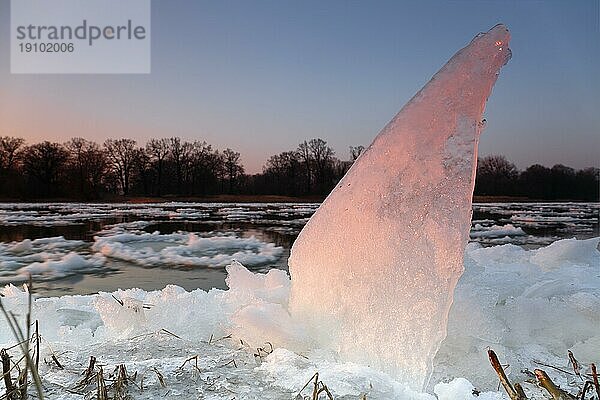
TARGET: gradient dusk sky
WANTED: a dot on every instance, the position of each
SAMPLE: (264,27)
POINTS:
(262,76)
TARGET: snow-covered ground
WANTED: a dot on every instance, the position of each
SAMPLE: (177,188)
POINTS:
(530,306)
(528,292)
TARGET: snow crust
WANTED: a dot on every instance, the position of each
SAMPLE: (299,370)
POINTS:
(528,305)
(402,212)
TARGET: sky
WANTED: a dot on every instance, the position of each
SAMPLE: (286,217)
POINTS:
(262,76)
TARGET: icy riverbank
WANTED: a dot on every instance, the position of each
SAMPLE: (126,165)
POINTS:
(529,305)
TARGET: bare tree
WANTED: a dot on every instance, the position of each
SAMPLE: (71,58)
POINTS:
(97,168)
(232,166)
(323,157)
(180,155)
(76,148)
(307,161)
(158,150)
(283,169)
(355,152)
(496,175)
(144,171)
(121,154)
(44,163)
(9,147)
(205,166)
(497,165)
(9,162)
(88,163)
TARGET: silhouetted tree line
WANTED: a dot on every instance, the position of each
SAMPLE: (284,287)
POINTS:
(496,176)
(310,169)
(82,169)
(86,170)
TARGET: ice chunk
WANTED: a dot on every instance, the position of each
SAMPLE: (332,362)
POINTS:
(186,249)
(122,316)
(578,252)
(259,307)
(274,286)
(45,259)
(374,270)
(523,309)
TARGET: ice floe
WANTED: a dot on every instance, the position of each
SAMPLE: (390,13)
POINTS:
(45,259)
(56,257)
(494,231)
(186,249)
(542,223)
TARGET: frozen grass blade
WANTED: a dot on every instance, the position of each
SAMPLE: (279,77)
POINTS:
(101,386)
(574,364)
(510,390)
(161,378)
(595,378)
(24,344)
(6,369)
(554,391)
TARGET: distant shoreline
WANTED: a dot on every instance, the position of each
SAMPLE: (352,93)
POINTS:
(236,198)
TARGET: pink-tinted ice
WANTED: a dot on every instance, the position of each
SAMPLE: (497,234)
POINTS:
(374,270)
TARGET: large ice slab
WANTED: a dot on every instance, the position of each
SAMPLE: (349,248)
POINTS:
(374,270)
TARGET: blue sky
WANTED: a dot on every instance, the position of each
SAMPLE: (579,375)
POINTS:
(261,76)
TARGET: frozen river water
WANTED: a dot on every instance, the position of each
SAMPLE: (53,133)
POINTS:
(528,291)
(81,248)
